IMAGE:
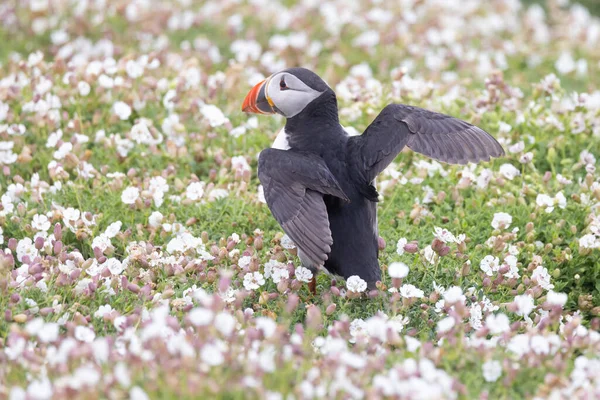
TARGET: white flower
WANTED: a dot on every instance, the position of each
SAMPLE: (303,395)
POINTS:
(130,195)
(303,274)
(200,316)
(497,324)
(287,243)
(140,133)
(444,235)
(253,280)
(408,291)
(280,273)
(589,242)
(509,171)
(103,310)
(244,262)
(276,271)
(266,325)
(565,64)
(122,110)
(475,316)
(225,323)
(489,265)
(211,355)
(556,299)
(398,270)
(168,98)
(113,229)
(524,304)
(454,294)
(543,200)
(49,333)
(526,158)
(84,88)
(134,69)
(213,115)
(400,246)
(356,284)
(63,150)
(540,345)
(240,163)
(430,255)
(101,242)
(40,222)
(25,247)
(511,261)
(561,200)
(237,132)
(358,327)
(492,370)
(84,334)
(542,277)
(587,158)
(368,39)
(155,219)
(501,220)
(114,266)
(195,190)
(40,389)
(137,393)
(444,325)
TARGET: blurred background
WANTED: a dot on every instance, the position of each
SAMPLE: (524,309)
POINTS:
(440,40)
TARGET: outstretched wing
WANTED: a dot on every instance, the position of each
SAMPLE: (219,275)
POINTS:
(294,184)
(439,136)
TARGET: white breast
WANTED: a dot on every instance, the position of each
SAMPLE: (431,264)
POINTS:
(281,141)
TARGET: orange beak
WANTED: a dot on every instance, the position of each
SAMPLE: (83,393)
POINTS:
(257,102)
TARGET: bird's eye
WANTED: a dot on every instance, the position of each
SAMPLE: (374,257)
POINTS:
(282,84)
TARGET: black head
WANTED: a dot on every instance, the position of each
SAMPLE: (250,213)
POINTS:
(287,92)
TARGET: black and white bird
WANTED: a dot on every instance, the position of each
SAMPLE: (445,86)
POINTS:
(318,180)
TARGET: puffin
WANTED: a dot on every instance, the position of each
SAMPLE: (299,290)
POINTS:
(319,181)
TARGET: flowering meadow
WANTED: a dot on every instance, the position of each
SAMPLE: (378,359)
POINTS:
(139,259)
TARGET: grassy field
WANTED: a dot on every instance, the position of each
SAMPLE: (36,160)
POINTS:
(139,259)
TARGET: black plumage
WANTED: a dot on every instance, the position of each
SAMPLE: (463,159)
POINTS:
(321,190)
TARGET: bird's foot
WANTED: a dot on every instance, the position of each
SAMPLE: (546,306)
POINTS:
(312,286)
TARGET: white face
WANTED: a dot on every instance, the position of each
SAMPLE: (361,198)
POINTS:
(289,94)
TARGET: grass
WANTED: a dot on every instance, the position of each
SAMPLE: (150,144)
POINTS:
(164,354)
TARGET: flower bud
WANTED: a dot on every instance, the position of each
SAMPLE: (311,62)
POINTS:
(411,248)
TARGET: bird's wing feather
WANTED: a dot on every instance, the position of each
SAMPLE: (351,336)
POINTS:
(294,184)
(439,136)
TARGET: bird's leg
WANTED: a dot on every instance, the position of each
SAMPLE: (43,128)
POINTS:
(308,263)
(312,285)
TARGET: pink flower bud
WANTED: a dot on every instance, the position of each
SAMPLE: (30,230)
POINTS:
(444,251)
(39,242)
(437,245)
(132,287)
(35,269)
(46,311)
(330,309)
(57,231)
(313,317)
(411,248)
(12,244)
(57,248)
(283,285)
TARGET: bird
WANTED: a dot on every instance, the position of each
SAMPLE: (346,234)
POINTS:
(319,181)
